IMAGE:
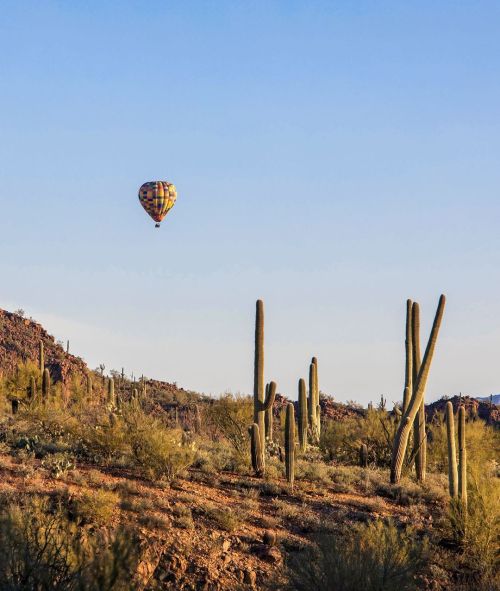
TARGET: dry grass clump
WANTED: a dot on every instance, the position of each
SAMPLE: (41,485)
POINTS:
(225,518)
(183,517)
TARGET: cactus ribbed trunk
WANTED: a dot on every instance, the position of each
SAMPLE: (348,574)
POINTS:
(303,417)
(419,437)
(32,389)
(363,455)
(409,371)
(404,428)
(316,398)
(45,385)
(311,407)
(41,358)
(290,444)
(452,454)
(258,379)
(256,450)
(89,387)
(462,457)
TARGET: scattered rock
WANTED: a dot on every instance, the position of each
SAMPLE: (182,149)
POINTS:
(250,577)
(269,538)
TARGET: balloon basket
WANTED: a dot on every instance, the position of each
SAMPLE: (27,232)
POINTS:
(157,225)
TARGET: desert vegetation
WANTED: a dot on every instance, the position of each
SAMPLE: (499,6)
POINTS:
(112,482)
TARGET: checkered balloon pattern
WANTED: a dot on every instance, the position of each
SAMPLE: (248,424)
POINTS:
(157,198)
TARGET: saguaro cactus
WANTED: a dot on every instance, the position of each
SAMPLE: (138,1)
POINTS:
(256,450)
(290,444)
(45,385)
(269,418)
(419,436)
(32,389)
(452,457)
(363,455)
(89,386)
(302,415)
(311,407)
(258,376)
(41,357)
(462,457)
(404,428)
(316,397)
(111,392)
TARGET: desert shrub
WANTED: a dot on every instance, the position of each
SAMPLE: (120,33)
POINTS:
(229,418)
(160,453)
(16,385)
(476,530)
(95,506)
(225,518)
(314,472)
(371,557)
(40,548)
(483,444)
(340,440)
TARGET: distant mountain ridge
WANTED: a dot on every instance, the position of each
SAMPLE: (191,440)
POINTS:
(495,398)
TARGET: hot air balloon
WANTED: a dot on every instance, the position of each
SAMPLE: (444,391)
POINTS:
(157,198)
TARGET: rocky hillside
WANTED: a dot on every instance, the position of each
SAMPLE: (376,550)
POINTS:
(474,408)
(19,343)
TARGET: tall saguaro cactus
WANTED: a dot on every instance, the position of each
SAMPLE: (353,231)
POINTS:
(290,444)
(89,386)
(258,376)
(462,457)
(268,417)
(45,385)
(409,356)
(41,359)
(419,436)
(452,457)
(404,428)
(311,407)
(316,396)
(302,418)
(32,389)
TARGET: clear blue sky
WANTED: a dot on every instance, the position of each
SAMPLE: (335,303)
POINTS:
(332,158)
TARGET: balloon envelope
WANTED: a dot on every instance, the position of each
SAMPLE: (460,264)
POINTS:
(157,198)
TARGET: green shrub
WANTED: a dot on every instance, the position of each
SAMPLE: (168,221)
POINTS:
(159,452)
(96,506)
(40,548)
(372,557)
(341,440)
